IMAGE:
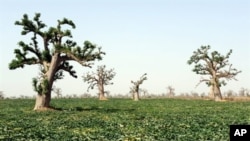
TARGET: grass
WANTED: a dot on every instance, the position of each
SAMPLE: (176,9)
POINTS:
(121,119)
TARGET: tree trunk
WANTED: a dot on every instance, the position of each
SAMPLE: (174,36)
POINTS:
(101,92)
(136,96)
(217,93)
(42,102)
(216,87)
(211,93)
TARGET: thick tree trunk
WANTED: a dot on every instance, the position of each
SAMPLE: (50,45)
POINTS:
(42,102)
(136,93)
(217,93)
(215,88)
(136,96)
(211,93)
(101,92)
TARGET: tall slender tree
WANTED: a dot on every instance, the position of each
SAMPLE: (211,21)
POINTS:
(136,87)
(52,54)
(100,78)
(216,66)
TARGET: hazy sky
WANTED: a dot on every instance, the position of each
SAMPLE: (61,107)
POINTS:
(156,37)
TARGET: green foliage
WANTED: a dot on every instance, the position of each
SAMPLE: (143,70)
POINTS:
(46,56)
(40,87)
(37,87)
(213,64)
(52,37)
(57,44)
(121,119)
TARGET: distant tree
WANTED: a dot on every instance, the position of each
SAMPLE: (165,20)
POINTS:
(52,54)
(230,93)
(136,87)
(1,95)
(194,94)
(85,95)
(100,78)
(74,95)
(244,92)
(216,66)
(203,95)
(144,92)
(170,92)
(58,92)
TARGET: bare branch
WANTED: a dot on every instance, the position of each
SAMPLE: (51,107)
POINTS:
(70,57)
(228,74)
(202,80)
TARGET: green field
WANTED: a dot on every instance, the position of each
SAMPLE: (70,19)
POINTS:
(121,119)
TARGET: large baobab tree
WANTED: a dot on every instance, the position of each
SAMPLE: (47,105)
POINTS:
(136,87)
(216,66)
(53,54)
(100,78)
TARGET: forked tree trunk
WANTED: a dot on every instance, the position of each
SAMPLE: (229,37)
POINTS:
(101,92)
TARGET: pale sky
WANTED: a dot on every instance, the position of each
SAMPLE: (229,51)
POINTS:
(156,37)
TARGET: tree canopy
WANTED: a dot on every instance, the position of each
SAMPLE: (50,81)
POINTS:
(100,78)
(213,64)
(52,48)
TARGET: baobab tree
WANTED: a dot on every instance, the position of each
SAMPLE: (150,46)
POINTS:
(136,87)
(170,92)
(58,92)
(144,92)
(216,66)
(100,78)
(53,54)
(244,92)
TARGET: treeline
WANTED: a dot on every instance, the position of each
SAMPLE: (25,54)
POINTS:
(242,94)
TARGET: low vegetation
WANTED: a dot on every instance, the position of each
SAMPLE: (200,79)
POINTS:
(121,119)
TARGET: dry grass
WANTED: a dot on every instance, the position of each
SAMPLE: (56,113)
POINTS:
(237,98)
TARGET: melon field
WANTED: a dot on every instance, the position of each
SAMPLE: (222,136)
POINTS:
(121,119)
